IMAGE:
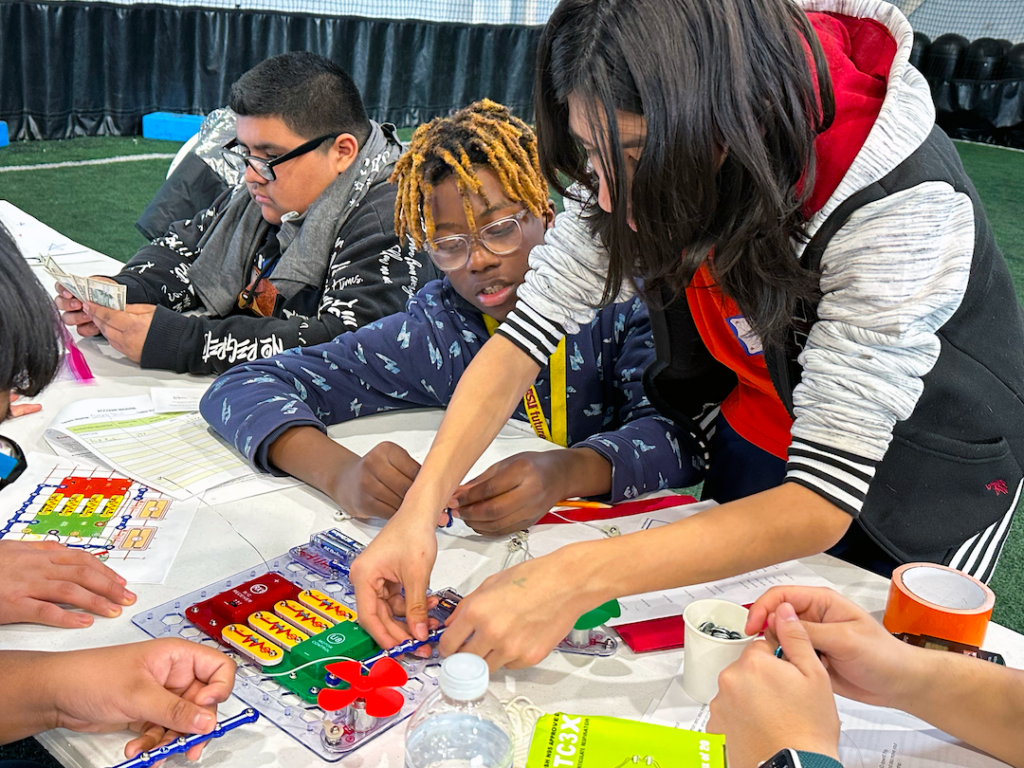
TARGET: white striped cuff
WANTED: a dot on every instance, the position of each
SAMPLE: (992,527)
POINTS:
(979,554)
(842,478)
(531,332)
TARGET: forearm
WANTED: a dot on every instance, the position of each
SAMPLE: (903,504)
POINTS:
(26,708)
(976,701)
(771,527)
(483,401)
(582,472)
(309,455)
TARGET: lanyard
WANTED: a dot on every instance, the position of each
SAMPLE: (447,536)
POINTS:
(531,402)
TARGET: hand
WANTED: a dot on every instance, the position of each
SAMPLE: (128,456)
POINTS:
(36,575)
(376,484)
(517,616)
(14,411)
(513,494)
(863,660)
(765,704)
(161,688)
(126,331)
(72,313)
(153,735)
(400,557)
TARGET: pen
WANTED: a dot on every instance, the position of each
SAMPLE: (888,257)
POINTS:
(580,504)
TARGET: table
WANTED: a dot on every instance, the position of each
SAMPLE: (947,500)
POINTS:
(623,685)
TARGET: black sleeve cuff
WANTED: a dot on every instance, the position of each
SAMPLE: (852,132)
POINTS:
(136,288)
(163,342)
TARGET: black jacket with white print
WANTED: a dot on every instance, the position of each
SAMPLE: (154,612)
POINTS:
(370,276)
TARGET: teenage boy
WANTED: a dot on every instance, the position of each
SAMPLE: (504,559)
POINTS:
(471,193)
(304,251)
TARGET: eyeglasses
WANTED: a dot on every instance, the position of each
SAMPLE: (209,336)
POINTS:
(12,461)
(264,167)
(500,237)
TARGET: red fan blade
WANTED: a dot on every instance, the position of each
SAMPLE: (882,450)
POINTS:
(384,702)
(349,671)
(332,699)
(388,673)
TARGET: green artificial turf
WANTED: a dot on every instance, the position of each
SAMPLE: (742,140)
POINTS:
(998,175)
(94,205)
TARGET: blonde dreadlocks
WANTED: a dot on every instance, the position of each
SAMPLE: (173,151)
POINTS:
(483,134)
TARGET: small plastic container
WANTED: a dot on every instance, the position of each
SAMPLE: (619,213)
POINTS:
(705,656)
(461,724)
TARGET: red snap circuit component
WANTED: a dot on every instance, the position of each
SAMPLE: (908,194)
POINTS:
(235,606)
(259,594)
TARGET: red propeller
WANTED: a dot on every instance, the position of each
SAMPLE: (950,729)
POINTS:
(377,688)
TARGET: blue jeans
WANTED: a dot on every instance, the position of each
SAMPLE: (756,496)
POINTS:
(739,468)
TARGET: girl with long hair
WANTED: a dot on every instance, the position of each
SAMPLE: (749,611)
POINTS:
(835,328)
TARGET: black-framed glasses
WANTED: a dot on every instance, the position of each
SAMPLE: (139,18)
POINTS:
(500,237)
(264,167)
(12,461)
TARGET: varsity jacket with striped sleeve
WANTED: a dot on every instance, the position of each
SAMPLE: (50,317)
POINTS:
(906,380)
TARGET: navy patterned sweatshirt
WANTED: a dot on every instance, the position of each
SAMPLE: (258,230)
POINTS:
(414,359)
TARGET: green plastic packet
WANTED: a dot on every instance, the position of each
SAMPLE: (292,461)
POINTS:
(581,741)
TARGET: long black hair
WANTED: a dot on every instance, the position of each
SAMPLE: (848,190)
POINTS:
(30,340)
(732,108)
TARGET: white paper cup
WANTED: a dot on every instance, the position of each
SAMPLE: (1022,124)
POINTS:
(704,656)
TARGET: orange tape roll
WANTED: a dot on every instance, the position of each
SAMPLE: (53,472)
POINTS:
(930,599)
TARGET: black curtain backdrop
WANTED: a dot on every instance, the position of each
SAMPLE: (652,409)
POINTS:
(987,111)
(85,69)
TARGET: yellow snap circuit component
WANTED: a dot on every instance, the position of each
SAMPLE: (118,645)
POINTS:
(302,618)
(256,647)
(277,629)
(327,607)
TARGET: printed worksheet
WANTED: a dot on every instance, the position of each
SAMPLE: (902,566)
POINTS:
(175,453)
(133,528)
(742,589)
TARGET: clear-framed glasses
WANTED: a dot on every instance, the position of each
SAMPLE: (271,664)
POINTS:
(500,237)
(12,461)
(263,166)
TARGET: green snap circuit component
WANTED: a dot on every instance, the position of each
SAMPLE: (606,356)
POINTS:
(344,639)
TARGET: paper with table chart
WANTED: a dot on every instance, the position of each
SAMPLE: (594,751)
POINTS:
(133,528)
(742,589)
(174,453)
(871,737)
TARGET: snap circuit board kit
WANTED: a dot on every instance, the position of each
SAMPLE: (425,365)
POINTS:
(303,661)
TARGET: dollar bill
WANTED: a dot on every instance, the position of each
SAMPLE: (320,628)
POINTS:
(110,295)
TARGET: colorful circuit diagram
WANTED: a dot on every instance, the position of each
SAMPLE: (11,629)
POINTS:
(101,514)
